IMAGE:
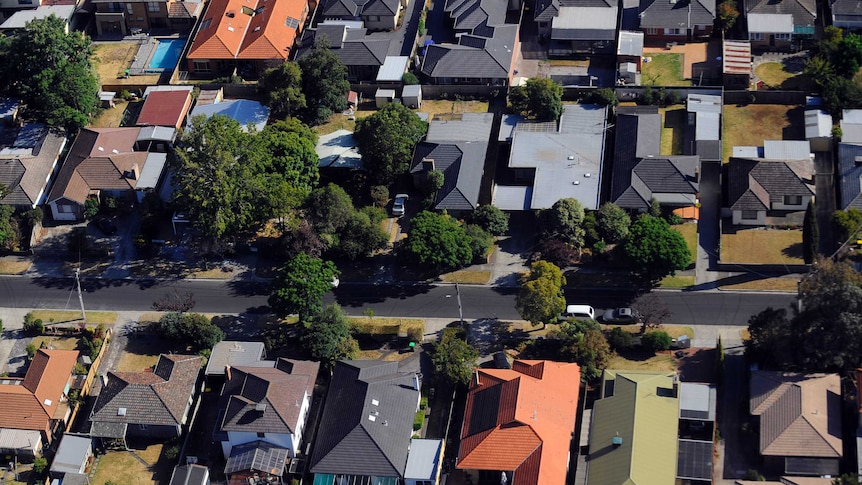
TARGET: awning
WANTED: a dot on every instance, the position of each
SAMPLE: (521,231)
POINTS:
(102,429)
(20,439)
(258,456)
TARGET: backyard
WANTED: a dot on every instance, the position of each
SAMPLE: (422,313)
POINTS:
(433,107)
(664,70)
(128,467)
(750,125)
(762,246)
(778,75)
(672,129)
(111,60)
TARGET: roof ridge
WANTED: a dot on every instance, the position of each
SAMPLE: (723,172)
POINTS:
(377,445)
(178,419)
(839,452)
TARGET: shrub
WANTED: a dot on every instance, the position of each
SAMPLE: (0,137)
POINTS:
(619,339)
(34,216)
(172,452)
(80,369)
(423,402)
(31,351)
(33,326)
(418,420)
(674,219)
(91,207)
(656,341)
(380,195)
(409,77)
(1,325)
(39,465)
(556,252)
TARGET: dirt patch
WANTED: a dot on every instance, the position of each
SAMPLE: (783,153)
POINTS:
(14,267)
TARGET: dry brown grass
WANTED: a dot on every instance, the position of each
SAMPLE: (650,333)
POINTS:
(122,467)
(663,362)
(111,60)
(438,107)
(56,316)
(14,267)
(64,343)
(775,284)
(111,117)
(466,276)
(750,125)
(763,246)
(569,62)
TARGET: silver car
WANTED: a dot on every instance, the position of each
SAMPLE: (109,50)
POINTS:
(621,316)
(399,206)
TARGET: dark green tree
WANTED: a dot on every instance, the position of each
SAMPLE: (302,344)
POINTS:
(810,234)
(324,82)
(655,249)
(290,145)
(539,99)
(50,70)
(386,141)
(361,236)
(769,342)
(619,339)
(582,341)
(409,78)
(846,223)
(454,359)
(190,328)
(490,219)
(281,88)
(481,241)
(656,341)
(300,286)
(612,222)
(654,207)
(564,220)
(8,227)
(541,297)
(327,336)
(328,209)
(438,240)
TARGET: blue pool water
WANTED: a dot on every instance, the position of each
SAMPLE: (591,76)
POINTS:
(167,53)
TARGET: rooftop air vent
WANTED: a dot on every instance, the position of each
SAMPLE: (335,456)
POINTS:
(617,440)
(261,406)
(586,175)
(121,412)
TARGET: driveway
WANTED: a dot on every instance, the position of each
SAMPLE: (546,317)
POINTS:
(708,236)
(824,188)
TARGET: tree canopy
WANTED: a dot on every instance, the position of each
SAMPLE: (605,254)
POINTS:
(539,99)
(282,90)
(324,82)
(50,71)
(655,249)
(564,220)
(612,222)
(491,219)
(300,286)
(541,297)
(438,240)
(191,328)
(727,14)
(454,359)
(386,141)
(582,341)
(327,336)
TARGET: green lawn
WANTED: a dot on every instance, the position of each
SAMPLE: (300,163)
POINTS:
(762,246)
(750,125)
(677,281)
(776,75)
(664,70)
(672,129)
(58,316)
(689,233)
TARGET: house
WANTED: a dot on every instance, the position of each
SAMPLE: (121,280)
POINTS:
(578,26)
(634,430)
(367,423)
(702,135)
(818,129)
(736,64)
(152,404)
(73,455)
(28,157)
(106,162)
(166,107)
(374,14)
(234,354)
(850,175)
(362,54)
(531,411)
(775,25)
(246,35)
(641,173)
(21,18)
(846,14)
(266,402)
(143,16)
(630,50)
(697,406)
(245,111)
(676,20)
(338,150)
(553,161)
(456,147)
(190,474)
(36,408)
(773,189)
(800,421)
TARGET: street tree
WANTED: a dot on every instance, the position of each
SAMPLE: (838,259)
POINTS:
(453,358)
(564,220)
(541,297)
(175,302)
(539,99)
(300,286)
(491,219)
(49,69)
(652,311)
(327,336)
(324,82)
(438,240)
(612,223)
(282,90)
(810,234)
(655,249)
(386,140)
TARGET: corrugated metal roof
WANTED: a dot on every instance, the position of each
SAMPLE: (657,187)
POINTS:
(423,460)
(20,439)
(707,126)
(699,398)
(393,69)
(703,103)
(589,19)
(470,127)
(770,23)
(786,149)
(818,123)
(630,44)
(72,454)
(736,57)
(21,18)
(245,111)
(152,171)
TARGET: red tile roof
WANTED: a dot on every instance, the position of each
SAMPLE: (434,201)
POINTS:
(521,420)
(165,108)
(30,404)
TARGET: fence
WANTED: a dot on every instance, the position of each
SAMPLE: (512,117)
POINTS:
(765,97)
(435,91)
(91,378)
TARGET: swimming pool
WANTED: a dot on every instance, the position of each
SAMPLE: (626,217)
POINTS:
(167,53)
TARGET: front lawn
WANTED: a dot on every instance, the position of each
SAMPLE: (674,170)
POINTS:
(59,316)
(661,362)
(14,267)
(466,276)
(414,327)
(750,125)
(677,281)
(664,70)
(143,352)
(689,233)
(774,284)
(762,246)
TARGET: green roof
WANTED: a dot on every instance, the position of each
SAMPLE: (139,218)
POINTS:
(642,409)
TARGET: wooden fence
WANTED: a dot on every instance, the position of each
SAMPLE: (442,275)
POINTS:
(91,378)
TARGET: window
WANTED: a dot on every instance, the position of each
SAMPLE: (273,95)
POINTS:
(201,66)
(651,31)
(792,200)
(143,427)
(782,36)
(674,31)
(749,215)
(261,435)
(64,209)
(153,6)
(755,36)
(25,2)
(130,9)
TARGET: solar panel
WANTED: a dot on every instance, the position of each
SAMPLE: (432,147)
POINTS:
(291,22)
(694,460)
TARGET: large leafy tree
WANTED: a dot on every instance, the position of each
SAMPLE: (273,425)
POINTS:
(324,82)
(655,249)
(491,219)
(438,240)
(454,359)
(541,297)
(190,328)
(329,208)
(564,220)
(50,70)
(282,90)
(582,341)
(361,236)
(613,222)
(300,286)
(539,99)
(727,14)
(8,227)
(327,336)
(386,141)
(290,145)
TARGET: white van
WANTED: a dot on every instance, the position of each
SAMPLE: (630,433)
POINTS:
(578,311)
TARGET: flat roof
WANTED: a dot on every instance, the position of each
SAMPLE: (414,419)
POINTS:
(697,401)
(245,111)
(338,150)
(818,124)
(233,353)
(423,460)
(19,19)
(630,43)
(393,69)
(786,149)
(512,197)
(770,23)
(72,453)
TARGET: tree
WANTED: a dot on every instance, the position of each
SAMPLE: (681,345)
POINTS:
(810,234)
(386,140)
(654,207)
(435,180)
(327,336)
(282,90)
(491,219)
(603,97)
(565,220)
(300,286)
(409,78)
(769,339)
(324,82)
(91,207)
(846,224)
(438,240)
(612,222)
(189,328)
(50,70)
(653,313)
(291,149)
(454,359)
(727,14)
(361,236)
(328,209)
(539,99)
(8,228)
(481,241)
(655,249)
(619,339)
(656,341)
(175,302)
(541,297)
(582,341)
(555,251)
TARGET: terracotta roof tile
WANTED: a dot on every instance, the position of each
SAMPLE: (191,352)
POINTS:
(30,404)
(165,108)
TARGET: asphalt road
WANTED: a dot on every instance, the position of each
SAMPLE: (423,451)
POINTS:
(429,301)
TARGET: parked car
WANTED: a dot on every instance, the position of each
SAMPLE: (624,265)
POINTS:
(400,205)
(621,316)
(106,226)
(578,311)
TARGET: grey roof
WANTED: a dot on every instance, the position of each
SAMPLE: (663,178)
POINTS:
(850,175)
(475,57)
(393,69)
(424,459)
(756,184)
(245,111)
(770,23)
(846,7)
(267,399)
(818,124)
(694,460)
(27,163)
(190,475)
(72,454)
(352,46)
(585,23)
(367,420)
(508,125)
(100,429)
(673,14)
(787,149)
(234,353)
(466,15)
(469,127)
(703,103)
(546,10)
(157,133)
(803,11)
(351,8)
(851,126)
(630,44)
(75,479)
(257,456)
(152,171)
(19,19)
(707,126)
(697,401)
(512,197)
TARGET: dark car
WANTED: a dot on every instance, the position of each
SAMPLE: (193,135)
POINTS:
(106,226)
(621,316)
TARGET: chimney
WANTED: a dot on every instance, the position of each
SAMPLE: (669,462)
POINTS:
(227,372)
(427,164)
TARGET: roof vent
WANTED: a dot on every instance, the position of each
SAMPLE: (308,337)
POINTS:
(229,28)
(261,406)
(385,423)
(101,149)
(115,151)
(375,402)
(617,440)
(570,157)
(858,159)
(236,347)
(231,14)
(576,182)
(48,402)
(121,412)
(372,417)
(587,175)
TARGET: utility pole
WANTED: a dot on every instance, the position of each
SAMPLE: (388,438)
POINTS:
(80,295)
(460,311)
